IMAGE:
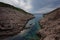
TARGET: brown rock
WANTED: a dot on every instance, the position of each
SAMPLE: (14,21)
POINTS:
(12,21)
(50,26)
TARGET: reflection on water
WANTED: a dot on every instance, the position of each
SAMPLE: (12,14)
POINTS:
(30,33)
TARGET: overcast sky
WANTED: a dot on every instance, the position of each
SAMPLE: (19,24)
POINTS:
(35,6)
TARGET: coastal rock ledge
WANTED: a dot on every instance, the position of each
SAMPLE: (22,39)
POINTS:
(50,29)
(12,21)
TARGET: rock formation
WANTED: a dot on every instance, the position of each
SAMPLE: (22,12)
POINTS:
(50,26)
(12,20)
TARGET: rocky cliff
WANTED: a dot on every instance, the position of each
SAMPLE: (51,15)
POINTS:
(50,26)
(12,20)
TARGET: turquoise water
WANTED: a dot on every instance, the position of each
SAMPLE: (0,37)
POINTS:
(30,34)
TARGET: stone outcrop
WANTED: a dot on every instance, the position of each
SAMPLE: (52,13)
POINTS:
(12,20)
(50,29)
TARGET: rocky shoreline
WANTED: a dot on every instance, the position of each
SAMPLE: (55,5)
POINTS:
(12,21)
(50,26)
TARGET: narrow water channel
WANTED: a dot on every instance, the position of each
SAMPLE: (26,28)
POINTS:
(30,34)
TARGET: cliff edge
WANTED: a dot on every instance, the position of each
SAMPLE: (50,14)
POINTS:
(12,20)
(50,26)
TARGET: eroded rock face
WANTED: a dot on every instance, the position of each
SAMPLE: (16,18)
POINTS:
(50,26)
(12,21)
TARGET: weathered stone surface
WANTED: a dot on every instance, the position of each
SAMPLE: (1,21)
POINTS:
(12,21)
(50,26)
